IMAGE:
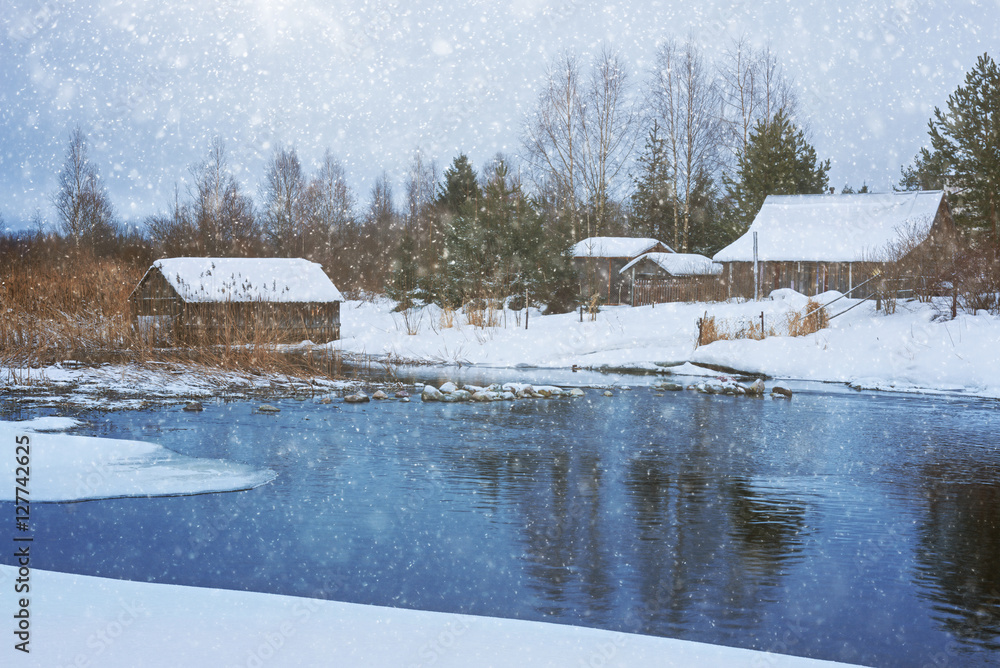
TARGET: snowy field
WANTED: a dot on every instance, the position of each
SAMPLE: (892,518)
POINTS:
(914,349)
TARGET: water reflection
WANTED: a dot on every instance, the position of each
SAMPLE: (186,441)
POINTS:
(959,560)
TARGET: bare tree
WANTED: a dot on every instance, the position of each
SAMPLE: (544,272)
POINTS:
(328,205)
(686,100)
(421,183)
(85,212)
(608,129)
(283,190)
(552,142)
(221,213)
(753,88)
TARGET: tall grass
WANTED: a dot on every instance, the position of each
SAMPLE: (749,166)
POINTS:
(77,306)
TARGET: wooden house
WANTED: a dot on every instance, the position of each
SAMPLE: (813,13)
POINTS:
(204,300)
(815,243)
(599,261)
(655,278)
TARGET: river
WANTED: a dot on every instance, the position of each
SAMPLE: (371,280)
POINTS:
(840,525)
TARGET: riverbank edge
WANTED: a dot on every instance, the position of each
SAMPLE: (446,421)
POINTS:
(112,623)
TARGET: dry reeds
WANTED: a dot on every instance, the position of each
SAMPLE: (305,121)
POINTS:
(447,319)
(809,320)
(81,304)
(80,308)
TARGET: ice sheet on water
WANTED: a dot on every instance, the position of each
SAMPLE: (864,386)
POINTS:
(78,468)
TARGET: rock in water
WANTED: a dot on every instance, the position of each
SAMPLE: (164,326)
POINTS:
(778,391)
(379,394)
(402,394)
(268,408)
(194,406)
(358,398)
(448,388)
(756,388)
(431,393)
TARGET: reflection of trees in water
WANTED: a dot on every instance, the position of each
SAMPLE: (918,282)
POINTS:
(608,511)
(703,540)
(565,546)
(959,557)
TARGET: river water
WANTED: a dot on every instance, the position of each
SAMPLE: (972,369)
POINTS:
(839,525)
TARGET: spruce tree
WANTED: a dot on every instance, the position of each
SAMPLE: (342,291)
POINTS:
(652,207)
(778,161)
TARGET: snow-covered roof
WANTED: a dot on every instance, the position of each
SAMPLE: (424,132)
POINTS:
(679,264)
(615,247)
(215,279)
(834,228)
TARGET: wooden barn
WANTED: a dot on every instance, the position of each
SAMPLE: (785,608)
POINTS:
(815,243)
(656,278)
(599,261)
(204,300)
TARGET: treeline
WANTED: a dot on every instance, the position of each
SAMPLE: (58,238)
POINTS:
(685,153)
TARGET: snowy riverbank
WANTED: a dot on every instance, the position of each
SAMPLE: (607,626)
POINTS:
(86,621)
(915,349)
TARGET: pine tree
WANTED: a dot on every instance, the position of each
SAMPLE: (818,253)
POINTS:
(926,173)
(652,200)
(966,139)
(778,161)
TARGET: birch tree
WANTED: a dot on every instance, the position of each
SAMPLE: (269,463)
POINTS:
(552,141)
(686,102)
(608,132)
(85,212)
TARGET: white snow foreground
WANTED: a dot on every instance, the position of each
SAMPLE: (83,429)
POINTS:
(79,620)
(78,468)
(911,350)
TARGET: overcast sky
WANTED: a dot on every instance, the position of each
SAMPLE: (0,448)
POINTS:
(150,83)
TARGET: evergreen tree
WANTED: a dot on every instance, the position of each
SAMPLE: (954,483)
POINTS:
(966,139)
(778,161)
(403,284)
(651,211)
(460,185)
(926,173)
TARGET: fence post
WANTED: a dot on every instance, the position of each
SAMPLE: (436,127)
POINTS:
(762,324)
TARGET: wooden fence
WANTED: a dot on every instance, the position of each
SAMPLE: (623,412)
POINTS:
(661,291)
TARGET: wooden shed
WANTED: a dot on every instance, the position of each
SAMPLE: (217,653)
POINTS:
(204,300)
(656,278)
(815,243)
(599,261)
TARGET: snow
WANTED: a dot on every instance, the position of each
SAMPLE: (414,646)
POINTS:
(77,468)
(833,228)
(209,279)
(87,621)
(915,349)
(614,247)
(679,264)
